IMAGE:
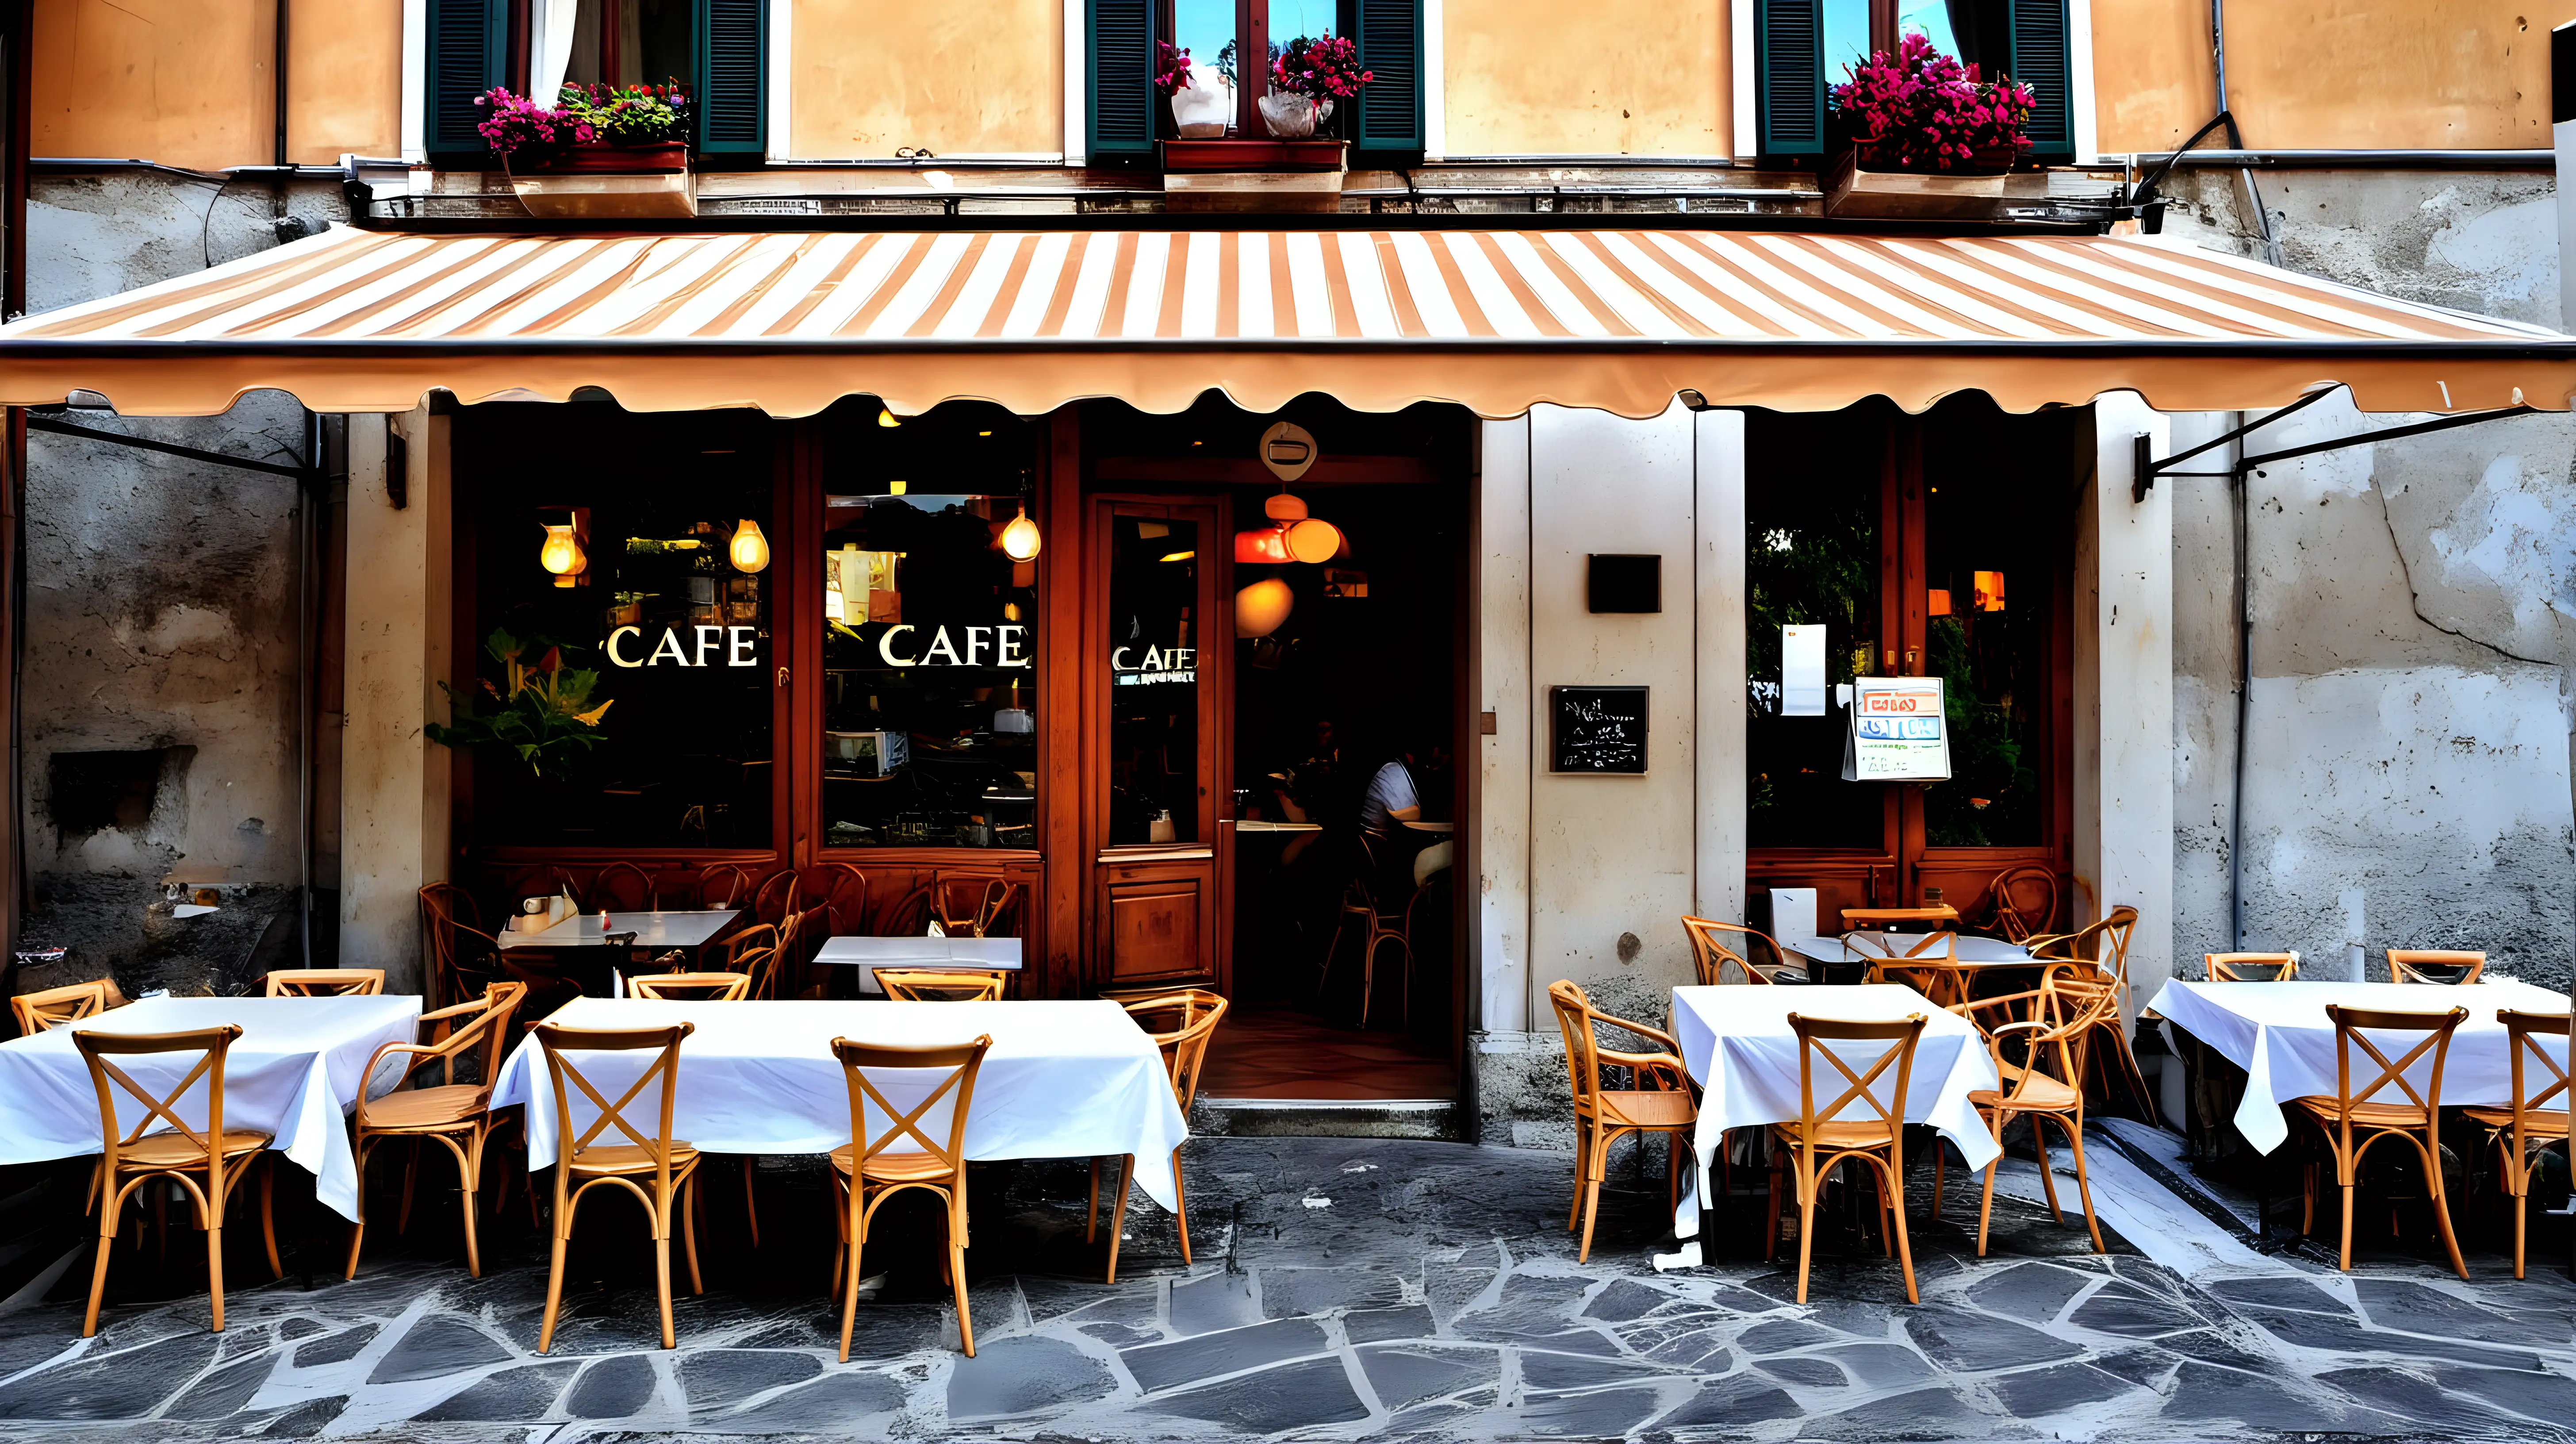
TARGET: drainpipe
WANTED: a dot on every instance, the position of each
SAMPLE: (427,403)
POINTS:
(2235,140)
(278,65)
(2242,486)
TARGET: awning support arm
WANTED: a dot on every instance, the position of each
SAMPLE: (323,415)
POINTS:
(38,422)
(2148,468)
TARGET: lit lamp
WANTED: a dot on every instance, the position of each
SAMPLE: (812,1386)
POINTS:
(1261,607)
(1313,540)
(749,549)
(1263,546)
(1020,540)
(1990,591)
(886,416)
(561,553)
(1937,602)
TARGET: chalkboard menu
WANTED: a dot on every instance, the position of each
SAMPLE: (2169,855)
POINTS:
(1597,729)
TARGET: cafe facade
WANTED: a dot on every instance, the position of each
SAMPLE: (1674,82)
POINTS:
(1092,574)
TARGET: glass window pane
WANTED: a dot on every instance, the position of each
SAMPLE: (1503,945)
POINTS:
(1153,680)
(665,622)
(1991,525)
(1846,38)
(929,632)
(1205,28)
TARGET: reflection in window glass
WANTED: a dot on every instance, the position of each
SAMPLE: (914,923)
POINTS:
(1847,32)
(661,608)
(1205,28)
(929,632)
(1292,18)
(1153,680)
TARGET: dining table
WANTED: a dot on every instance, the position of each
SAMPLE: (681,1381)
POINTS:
(929,954)
(688,928)
(294,1073)
(1740,1049)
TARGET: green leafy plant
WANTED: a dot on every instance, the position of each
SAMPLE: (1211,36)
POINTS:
(629,114)
(543,710)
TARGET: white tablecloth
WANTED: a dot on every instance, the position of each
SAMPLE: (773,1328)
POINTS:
(868,954)
(2280,1035)
(691,928)
(1739,1048)
(293,1073)
(1871,944)
(1062,1080)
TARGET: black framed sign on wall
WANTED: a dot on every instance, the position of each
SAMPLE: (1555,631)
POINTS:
(1597,730)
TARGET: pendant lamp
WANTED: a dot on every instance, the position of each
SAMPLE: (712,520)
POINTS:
(1260,608)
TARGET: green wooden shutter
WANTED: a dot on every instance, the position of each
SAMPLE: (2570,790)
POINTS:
(1789,79)
(466,56)
(1389,127)
(1121,114)
(2040,60)
(733,78)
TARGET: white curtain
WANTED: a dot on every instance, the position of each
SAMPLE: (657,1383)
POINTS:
(555,22)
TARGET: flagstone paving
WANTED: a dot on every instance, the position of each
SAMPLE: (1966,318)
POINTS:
(1342,1289)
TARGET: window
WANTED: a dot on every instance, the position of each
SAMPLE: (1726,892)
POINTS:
(1126,116)
(718,48)
(1803,48)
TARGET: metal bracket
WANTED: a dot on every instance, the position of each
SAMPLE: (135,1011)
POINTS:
(2147,469)
(2142,470)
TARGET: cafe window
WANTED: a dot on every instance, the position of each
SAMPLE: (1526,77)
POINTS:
(622,606)
(717,49)
(930,629)
(1803,48)
(1125,115)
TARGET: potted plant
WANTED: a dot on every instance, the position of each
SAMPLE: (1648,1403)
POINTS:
(1294,168)
(1309,77)
(599,151)
(1201,99)
(1930,137)
(543,714)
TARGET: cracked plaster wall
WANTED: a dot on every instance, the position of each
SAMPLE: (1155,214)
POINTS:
(161,612)
(2408,773)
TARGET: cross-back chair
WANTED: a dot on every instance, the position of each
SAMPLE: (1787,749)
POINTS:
(775,898)
(1718,963)
(2528,1123)
(325,982)
(622,887)
(52,1007)
(462,956)
(941,985)
(1855,1124)
(2355,1120)
(1929,965)
(458,1116)
(2036,1090)
(992,900)
(1659,1103)
(651,1165)
(206,1162)
(840,888)
(898,1145)
(2022,901)
(2252,967)
(723,885)
(2098,954)
(1181,1021)
(1378,925)
(686,987)
(2435,965)
(1937,916)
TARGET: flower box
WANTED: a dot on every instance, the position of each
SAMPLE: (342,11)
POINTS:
(1854,190)
(1255,155)
(599,153)
(585,187)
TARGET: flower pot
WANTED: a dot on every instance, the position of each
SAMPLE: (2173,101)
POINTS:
(607,182)
(1203,107)
(1855,189)
(1288,117)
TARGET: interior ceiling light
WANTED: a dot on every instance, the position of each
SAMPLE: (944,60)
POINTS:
(1262,546)
(561,553)
(1179,556)
(1313,540)
(886,416)
(1020,540)
(749,549)
(1260,608)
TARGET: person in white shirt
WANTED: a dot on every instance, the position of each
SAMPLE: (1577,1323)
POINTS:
(1391,797)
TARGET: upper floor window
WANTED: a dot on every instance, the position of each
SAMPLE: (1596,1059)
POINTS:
(1126,116)
(1803,48)
(717,48)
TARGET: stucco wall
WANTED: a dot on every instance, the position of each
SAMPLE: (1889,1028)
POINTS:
(869,76)
(1612,77)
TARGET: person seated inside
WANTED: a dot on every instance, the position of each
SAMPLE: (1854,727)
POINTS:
(1391,797)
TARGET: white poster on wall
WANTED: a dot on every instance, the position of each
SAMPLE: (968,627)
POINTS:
(1802,670)
(1898,731)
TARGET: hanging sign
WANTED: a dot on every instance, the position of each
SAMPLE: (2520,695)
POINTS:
(1288,449)
(1898,731)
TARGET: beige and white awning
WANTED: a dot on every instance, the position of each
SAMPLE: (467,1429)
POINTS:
(1616,317)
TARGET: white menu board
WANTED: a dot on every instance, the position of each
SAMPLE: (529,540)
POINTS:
(1898,731)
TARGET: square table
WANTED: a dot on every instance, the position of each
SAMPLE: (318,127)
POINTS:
(1739,1048)
(293,1072)
(944,954)
(2280,1035)
(1063,1079)
(689,928)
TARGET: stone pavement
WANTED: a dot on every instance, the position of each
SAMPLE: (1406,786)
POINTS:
(1343,1289)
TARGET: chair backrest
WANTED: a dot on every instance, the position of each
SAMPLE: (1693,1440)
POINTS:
(940,985)
(1574,1015)
(775,898)
(1926,963)
(485,1025)
(710,987)
(622,887)
(2526,1032)
(2353,1027)
(2062,1016)
(2435,965)
(841,890)
(910,1100)
(1180,1022)
(1940,916)
(453,928)
(1712,957)
(48,1007)
(723,885)
(559,1041)
(2022,901)
(992,897)
(2105,943)
(325,982)
(1857,1090)
(101,1050)
(2253,967)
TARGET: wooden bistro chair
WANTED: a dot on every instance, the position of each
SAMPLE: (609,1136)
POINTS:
(1855,1124)
(1660,1103)
(1940,916)
(2529,1123)
(941,985)
(2022,901)
(206,1163)
(462,957)
(1930,967)
(325,982)
(2252,967)
(457,1115)
(653,1166)
(2035,1090)
(723,885)
(893,1148)
(2354,1120)
(2098,957)
(39,1011)
(1378,925)
(622,887)
(688,987)
(2435,965)
(775,898)
(1717,963)
(1180,1021)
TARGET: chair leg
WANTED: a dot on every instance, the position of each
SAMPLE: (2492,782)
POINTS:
(98,1272)
(689,1232)
(1986,1206)
(1904,1246)
(750,1201)
(469,1178)
(2345,1262)
(1180,1208)
(215,1264)
(358,1225)
(2047,1171)
(1807,1187)
(1368,973)
(854,1224)
(662,1281)
(1582,1171)
(1886,1206)
(268,1214)
(554,1291)
(2517,1186)
(957,1274)
(1118,1214)
(2442,1210)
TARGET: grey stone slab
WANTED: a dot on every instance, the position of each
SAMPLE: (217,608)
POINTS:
(1449,1288)
(2549,1397)
(1165,1366)
(837,1404)
(2413,1395)
(1591,1414)
(434,1348)
(1626,1299)
(1806,1373)
(2031,1292)
(334,1348)
(1730,1404)
(2146,1367)
(1781,1336)
(2281,1293)
(1403,1375)
(1051,1298)
(307,1419)
(1310,1394)
(1365,1326)
(1121,1336)
(2424,1309)
(225,1390)
(713,1378)
(2209,1395)
(1964,1339)
(2132,1314)
(1922,1414)
(1703,1351)
(1547,1370)
(2038,1393)
(1879,1366)
(124,1385)
(1295,1292)
(613,1388)
(1211,1302)
(2344,1334)
(517,1395)
(1025,1376)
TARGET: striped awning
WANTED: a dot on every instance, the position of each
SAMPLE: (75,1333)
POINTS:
(1616,317)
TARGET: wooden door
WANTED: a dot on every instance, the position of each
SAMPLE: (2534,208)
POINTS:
(1157,638)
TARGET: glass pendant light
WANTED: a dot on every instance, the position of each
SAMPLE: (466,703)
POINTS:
(749,549)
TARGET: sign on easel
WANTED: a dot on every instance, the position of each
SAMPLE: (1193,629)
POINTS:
(1898,731)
